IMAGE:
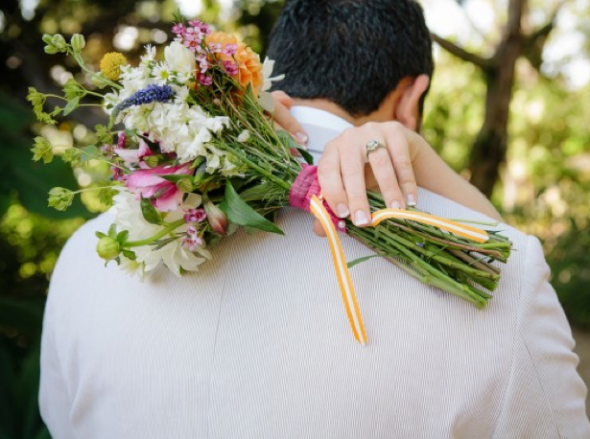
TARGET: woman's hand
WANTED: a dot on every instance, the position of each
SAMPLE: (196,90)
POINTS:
(285,121)
(347,169)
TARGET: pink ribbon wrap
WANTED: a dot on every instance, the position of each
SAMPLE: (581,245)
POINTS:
(305,186)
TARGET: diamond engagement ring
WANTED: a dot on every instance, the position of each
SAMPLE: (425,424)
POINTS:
(374,145)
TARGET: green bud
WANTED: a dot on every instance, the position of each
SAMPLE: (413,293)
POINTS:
(51,50)
(59,42)
(78,42)
(151,160)
(42,150)
(60,198)
(185,185)
(108,248)
(201,174)
(47,39)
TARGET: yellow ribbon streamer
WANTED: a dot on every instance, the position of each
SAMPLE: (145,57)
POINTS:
(343,275)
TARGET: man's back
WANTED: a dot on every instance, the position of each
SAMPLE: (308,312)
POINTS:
(257,345)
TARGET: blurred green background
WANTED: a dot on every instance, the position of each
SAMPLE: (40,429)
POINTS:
(509,108)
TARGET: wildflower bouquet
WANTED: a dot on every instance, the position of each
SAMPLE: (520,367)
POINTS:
(194,155)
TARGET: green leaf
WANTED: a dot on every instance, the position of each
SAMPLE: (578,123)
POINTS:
(72,105)
(113,231)
(150,214)
(306,155)
(122,236)
(361,260)
(89,152)
(239,212)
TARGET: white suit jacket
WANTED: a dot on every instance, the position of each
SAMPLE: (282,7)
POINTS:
(257,344)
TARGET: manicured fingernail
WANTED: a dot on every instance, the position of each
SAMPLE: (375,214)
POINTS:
(342,210)
(396,205)
(411,200)
(360,218)
(302,138)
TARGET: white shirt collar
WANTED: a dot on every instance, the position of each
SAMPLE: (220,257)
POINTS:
(321,127)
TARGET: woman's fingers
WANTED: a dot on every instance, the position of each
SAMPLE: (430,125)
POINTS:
(385,175)
(330,179)
(353,176)
(399,147)
(283,117)
(283,98)
(318,229)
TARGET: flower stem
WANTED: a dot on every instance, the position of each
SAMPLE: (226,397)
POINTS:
(168,229)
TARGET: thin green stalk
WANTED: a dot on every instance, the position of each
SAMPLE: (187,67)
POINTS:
(170,227)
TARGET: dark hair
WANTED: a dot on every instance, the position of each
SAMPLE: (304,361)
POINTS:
(351,52)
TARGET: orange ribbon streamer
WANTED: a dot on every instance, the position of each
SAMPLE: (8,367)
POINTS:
(343,275)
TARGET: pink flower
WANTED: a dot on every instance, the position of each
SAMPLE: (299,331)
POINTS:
(164,194)
(203,63)
(133,156)
(195,215)
(192,239)
(230,49)
(205,80)
(179,29)
(215,48)
(231,68)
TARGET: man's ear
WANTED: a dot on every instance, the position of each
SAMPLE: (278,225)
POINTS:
(407,110)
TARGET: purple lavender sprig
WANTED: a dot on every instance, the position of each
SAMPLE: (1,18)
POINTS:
(152,93)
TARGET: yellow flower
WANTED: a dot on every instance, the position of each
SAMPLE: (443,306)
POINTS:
(110,65)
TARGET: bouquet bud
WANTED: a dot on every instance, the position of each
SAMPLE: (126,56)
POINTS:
(216,218)
(59,42)
(152,161)
(107,248)
(185,185)
(60,198)
(77,42)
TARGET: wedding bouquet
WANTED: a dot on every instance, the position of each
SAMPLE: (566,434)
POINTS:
(194,155)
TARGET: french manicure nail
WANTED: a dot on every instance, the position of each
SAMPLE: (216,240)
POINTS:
(411,200)
(396,205)
(360,218)
(302,138)
(342,210)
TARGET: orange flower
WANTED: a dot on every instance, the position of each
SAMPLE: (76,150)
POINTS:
(249,66)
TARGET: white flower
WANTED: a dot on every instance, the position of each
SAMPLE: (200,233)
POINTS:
(267,68)
(181,94)
(132,268)
(265,98)
(128,216)
(162,73)
(179,58)
(244,136)
(150,54)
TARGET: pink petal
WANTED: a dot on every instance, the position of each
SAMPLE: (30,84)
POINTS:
(169,200)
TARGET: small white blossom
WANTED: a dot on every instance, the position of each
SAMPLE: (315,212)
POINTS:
(162,73)
(244,136)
